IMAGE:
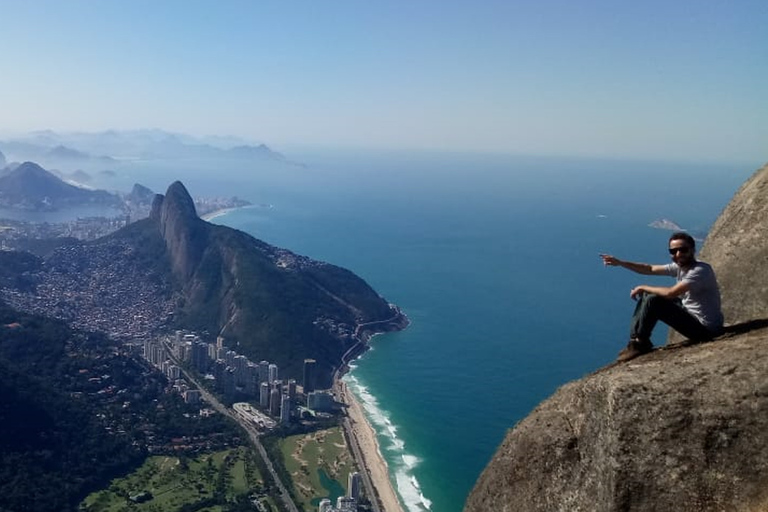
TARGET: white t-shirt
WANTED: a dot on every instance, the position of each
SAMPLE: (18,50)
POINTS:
(702,299)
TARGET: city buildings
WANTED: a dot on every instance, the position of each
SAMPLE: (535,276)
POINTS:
(234,375)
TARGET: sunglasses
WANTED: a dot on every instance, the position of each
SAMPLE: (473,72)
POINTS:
(683,250)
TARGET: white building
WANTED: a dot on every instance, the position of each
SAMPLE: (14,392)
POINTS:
(354,481)
(344,504)
(254,416)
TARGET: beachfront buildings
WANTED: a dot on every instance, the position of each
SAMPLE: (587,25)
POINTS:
(346,503)
(321,401)
(343,504)
(354,482)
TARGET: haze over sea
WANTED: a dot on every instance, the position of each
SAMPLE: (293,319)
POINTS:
(495,261)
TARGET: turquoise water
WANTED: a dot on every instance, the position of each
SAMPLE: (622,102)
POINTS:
(495,261)
(332,487)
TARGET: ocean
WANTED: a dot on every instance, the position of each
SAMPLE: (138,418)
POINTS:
(495,261)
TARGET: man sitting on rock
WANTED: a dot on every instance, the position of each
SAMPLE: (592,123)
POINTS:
(691,306)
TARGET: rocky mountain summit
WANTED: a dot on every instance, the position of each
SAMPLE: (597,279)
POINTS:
(684,428)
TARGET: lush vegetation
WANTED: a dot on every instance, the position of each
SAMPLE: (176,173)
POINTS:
(15,269)
(77,411)
(316,464)
(224,481)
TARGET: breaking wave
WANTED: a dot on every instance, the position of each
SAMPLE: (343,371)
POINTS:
(401,463)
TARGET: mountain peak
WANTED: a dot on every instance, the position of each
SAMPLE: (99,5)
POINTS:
(178,198)
(141,194)
(31,168)
(183,231)
(30,187)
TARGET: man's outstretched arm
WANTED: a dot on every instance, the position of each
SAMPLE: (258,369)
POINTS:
(640,268)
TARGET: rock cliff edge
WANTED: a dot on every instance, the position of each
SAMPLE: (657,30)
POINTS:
(684,428)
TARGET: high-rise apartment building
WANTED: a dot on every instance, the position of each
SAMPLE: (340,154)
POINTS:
(274,402)
(199,356)
(291,389)
(285,410)
(354,481)
(309,375)
(264,394)
(264,371)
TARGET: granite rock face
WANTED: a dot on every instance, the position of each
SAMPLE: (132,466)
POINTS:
(185,234)
(737,248)
(684,428)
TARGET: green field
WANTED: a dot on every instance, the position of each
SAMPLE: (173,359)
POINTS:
(319,464)
(212,479)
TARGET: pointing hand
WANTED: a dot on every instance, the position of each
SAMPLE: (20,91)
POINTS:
(610,261)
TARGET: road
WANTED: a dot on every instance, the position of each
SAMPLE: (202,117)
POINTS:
(253,434)
(339,390)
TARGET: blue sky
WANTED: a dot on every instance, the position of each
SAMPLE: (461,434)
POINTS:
(653,79)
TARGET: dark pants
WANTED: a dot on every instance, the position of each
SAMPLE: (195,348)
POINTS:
(652,308)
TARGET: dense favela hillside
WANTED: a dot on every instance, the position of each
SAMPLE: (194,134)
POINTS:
(174,270)
(684,428)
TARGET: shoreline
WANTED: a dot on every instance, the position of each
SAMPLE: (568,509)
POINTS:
(360,433)
(218,213)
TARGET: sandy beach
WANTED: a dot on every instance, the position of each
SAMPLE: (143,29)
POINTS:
(360,433)
(218,213)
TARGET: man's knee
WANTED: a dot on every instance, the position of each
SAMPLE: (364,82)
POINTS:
(651,299)
(657,300)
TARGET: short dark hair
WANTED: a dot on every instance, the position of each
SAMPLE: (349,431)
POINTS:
(681,235)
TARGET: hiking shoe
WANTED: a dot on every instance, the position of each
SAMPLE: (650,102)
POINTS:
(634,348)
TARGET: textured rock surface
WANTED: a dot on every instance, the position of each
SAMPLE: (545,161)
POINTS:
(737,247)
(184,232)
(683,429)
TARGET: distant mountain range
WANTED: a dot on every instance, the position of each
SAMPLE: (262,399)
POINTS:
(30,187)
(55,149)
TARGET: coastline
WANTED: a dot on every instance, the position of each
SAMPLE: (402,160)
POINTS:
(360,433)
(218,213)
(358,430)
